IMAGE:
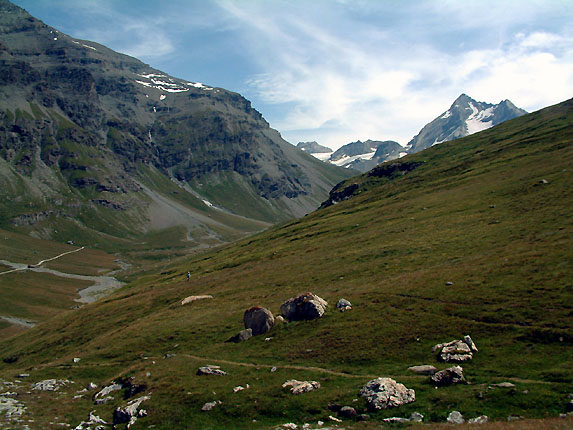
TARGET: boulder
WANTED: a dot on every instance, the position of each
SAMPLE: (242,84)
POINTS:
(210,405)
(241,336)
(347,412)
(129,413)
(456,351)
(416,417)
(307,306)
(211,370)
(299,387)
(456,418)
(383,393)
(482,419)
(453,375)
(424,369)
(343,305)
(259,320)
(395,420)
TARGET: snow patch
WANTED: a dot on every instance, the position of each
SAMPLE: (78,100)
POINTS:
(478,121)
(402,154)
(346,160)
(322,156)
(446,115)
(162,97)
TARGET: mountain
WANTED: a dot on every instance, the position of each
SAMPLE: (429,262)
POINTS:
(363,156)
(471,237)
(313,147)
(316,150)
(464,117)
(96,145)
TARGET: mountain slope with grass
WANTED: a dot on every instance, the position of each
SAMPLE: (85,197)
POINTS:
(96,146)
(471,237)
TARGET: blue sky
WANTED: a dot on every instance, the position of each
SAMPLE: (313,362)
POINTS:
(336,71)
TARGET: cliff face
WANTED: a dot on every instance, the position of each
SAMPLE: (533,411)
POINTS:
(81,123)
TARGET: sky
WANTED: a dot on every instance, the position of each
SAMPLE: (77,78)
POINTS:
(337,71)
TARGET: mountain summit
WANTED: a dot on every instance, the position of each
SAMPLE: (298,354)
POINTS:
(88,134)
(464,117)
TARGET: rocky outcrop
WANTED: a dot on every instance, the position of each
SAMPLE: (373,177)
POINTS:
(453,375)
(50,384)
(259,320)
(383,393)
(210,405)
(130,413)
(299,387)
(307,306)
(456,351)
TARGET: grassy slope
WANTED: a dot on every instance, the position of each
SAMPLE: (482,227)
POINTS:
(475,214)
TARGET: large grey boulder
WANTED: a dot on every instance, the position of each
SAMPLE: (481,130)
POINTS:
(307,306)
(383,393)
(453,375)
(258,319)
(456,351)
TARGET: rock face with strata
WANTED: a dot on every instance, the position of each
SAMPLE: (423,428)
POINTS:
(383,393)
(456,351)
(307,306)
(299,387)
(453,375)
(259,320)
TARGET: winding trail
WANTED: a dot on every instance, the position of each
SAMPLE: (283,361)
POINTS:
(20,266)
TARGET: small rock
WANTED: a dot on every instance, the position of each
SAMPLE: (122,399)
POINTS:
(92,386)
(343,305)
(103,401)
(77,359)
(299,387)
(544,181)
(280,318)
(514,418)
(456,418)
(336,420)
(503,385)
(382,393)
(289,426)
(416,417)
(449,283)
(210,405)
(192,299)
(482,419)
(307,306)
(347,412)
(211,370)
(268,339)
(238,388)
(396,420)
(259,320)
(23,375)
(424,369)
(273,369)
(241,336)
(106,390)
(453,375)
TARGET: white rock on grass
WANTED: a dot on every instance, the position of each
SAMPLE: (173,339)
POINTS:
(456,417)
(383,393)
(50,384)
(299,387)
(482,419)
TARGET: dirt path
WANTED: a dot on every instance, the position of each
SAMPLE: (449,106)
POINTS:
(20,266)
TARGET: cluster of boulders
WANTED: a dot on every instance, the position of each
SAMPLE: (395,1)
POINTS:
(258,320)
(299,387)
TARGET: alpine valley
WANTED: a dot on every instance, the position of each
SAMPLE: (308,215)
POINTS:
(97,147)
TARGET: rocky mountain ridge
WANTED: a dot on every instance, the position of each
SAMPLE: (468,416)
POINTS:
(87,133)
(465,116)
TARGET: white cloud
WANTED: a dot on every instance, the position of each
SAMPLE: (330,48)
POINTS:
(362,81)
